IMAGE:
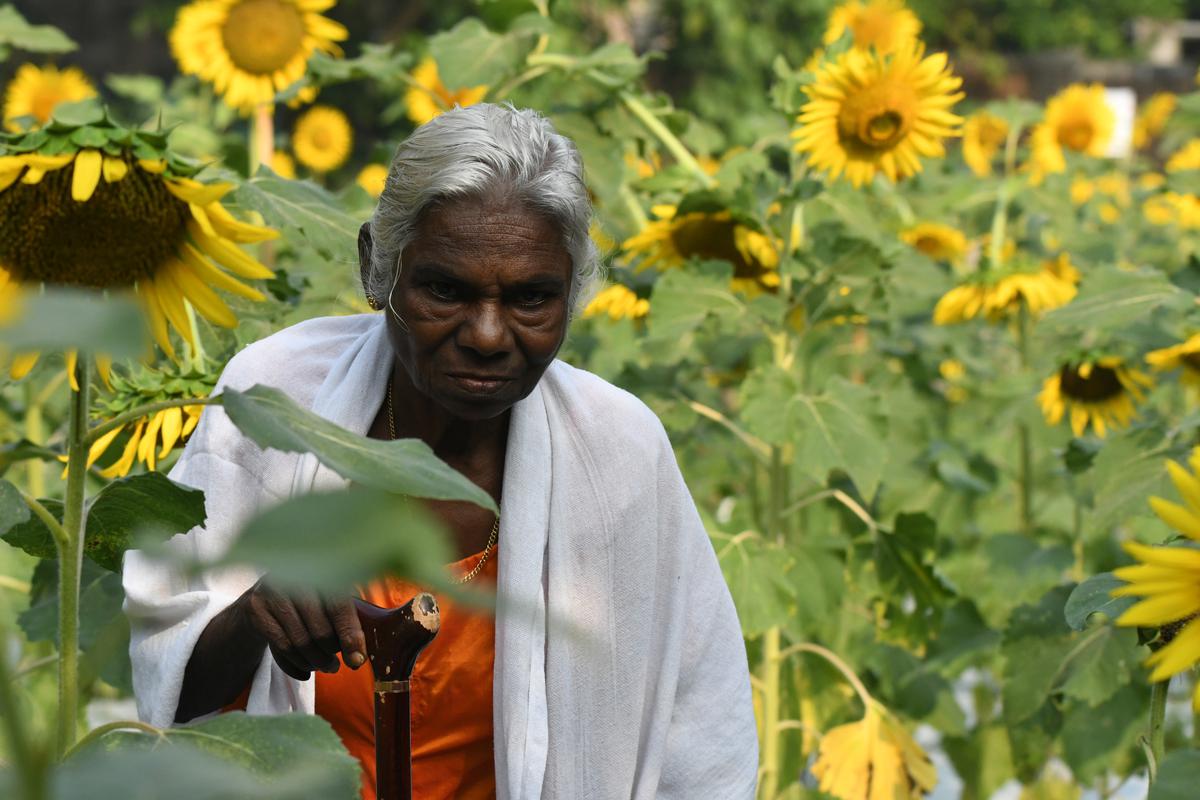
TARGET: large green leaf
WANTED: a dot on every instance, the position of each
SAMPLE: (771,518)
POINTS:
(14,511)
(334,541)
(304,211)
(1094,596)
(1112,300)
(1094,739)
(404,466)
(684,298)
(71,319)
(836,430)
(470,55)
(146,501)
(103,628)
(225,758)
(1178,776)
(17,33)
(758,578)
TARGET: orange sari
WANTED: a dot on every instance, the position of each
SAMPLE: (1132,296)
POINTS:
(451,698)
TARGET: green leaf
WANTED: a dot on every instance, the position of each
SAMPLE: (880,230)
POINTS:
(14,511)
(291,757)
(67,319)
(1094,738)
(100,598)
(150,500)
(758,578)
(766,403)
(1100,664)
(23,450)
(684,298)
(1111,301)
(1178,776)
(836,430)
(304,210)
(1093,596)
(403,466)
(88,111)
(139,501)
(15,32)
(902,562)
(336,540)
(470,55)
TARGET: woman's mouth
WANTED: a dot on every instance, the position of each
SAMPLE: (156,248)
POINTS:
(479,384)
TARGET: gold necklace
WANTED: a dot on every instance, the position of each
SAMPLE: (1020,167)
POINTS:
(487,551)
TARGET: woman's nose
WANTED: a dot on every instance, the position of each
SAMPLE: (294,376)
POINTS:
(485,330)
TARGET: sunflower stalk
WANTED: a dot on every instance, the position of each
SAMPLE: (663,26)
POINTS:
(772,697)
(262,137)
(669,140)
(70,559)
(1025,476)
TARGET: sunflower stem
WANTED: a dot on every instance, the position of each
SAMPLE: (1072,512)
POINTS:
(669,140)
(144,411)
(1158,716)
(772,696)
(1025,476)
(70,560)
(262,137)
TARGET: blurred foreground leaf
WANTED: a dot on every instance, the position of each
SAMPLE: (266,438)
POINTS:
(404,466)
(72,319)
(230,756)
(333,541)
(1178,776)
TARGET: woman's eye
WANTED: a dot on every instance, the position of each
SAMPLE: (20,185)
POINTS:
(442,290)
(532,297)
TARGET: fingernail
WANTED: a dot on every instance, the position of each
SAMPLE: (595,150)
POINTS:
(356,659)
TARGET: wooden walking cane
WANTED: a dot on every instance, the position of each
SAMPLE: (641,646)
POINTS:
(395,637)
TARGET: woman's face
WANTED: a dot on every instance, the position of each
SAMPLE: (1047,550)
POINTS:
(483,293)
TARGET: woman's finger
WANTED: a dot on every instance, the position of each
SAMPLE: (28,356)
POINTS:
(351,641)
(288,665)
(301,646)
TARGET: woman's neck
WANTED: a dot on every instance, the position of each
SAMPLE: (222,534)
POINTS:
(452,438)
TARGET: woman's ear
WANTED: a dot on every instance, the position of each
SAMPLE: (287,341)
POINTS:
(364,259)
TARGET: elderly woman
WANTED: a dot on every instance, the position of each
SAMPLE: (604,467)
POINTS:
(478,254)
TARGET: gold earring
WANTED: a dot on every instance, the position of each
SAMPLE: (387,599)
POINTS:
(374,303)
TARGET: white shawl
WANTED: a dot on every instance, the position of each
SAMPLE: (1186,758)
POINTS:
(598,531)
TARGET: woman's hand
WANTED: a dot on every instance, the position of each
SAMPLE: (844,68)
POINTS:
(305,631)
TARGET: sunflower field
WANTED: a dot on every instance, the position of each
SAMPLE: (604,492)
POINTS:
(930,363)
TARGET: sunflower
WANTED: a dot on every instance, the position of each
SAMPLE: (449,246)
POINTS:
(283,165)
(871,113)
(1152,118)
(1078,118)
(251,49)
(160,230)
(1184,356)
(35,92)
(372,179)
(997,297)
(618,302)
(151,438)
(673,239)
(873,758)
(1173,208)
(983,136)
(883,25)
(1168,581)
(1149,181)
(322,138)
(1082,190)
(940,242)
(1101,391)
(428,97)
(1186,158)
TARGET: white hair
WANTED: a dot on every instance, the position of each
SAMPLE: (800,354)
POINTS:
(484,150)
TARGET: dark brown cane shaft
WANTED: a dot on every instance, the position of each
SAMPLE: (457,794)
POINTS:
(395,638)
